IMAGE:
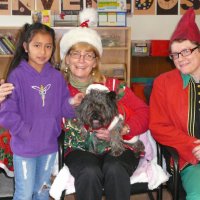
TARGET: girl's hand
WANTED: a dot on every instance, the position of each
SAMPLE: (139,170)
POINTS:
(103,134)
(76,100)
(5,89)
(196,150)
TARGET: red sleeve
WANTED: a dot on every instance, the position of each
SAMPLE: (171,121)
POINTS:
(136,113)
(162,123)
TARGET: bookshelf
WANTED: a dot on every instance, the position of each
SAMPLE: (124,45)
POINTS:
(116,57)
(150,66)
(5,59)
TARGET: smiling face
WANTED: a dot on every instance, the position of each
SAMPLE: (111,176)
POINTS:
(82,59)
(189,64)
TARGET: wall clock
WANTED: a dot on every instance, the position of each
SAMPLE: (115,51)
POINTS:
(167,4)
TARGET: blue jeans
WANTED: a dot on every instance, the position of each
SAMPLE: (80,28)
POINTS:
(32,177)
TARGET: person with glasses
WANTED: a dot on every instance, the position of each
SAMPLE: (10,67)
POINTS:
(175,103)
(81,51)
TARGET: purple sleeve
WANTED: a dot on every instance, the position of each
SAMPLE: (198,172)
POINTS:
(9,112)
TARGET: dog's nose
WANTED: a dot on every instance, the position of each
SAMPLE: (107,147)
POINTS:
(94,116)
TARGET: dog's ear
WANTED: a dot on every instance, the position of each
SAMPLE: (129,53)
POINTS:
(112,95)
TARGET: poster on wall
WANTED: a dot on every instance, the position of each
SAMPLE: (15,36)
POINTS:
(186,4)
(5,7)
(52,5)
(22,7)
(144,7)
(42,16)
(71,7)
(167,7)
(91,3)
(129,6)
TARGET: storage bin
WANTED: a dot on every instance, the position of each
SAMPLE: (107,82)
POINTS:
(138,86)
(140,47)
(159,48)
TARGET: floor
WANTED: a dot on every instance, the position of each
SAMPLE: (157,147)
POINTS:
(166,196)
(6,189)
(6,186)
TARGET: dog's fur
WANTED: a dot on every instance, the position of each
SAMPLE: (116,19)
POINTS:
(97,110)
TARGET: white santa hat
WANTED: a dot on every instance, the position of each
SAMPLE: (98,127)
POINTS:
(89,14)
(81,34)
(97,86)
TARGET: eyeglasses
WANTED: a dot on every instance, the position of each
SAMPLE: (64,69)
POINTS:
(87,56)
(184,53)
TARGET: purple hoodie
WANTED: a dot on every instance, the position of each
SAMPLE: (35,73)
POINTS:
(34,111)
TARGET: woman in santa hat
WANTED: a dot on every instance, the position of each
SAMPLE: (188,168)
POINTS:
(175,103)
(80,51)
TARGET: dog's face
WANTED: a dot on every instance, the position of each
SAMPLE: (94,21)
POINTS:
(97,109)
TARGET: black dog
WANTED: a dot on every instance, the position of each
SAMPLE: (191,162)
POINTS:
(98,110)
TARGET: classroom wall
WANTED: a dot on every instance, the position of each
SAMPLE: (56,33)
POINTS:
(144,27)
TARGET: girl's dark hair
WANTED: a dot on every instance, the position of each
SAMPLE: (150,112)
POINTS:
(26,34)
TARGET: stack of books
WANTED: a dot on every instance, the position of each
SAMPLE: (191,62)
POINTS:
(7,45)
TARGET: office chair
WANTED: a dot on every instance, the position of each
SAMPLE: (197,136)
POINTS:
(174,184)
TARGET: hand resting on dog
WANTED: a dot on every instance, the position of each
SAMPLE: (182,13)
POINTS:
(103,134)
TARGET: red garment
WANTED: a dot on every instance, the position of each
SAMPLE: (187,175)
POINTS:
(187,29)
(6,155)
(136,111)
(169,115)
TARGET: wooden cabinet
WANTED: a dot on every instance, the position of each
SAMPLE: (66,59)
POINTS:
(149,66)
(116,57)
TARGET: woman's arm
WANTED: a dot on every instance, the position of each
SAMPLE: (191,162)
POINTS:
(136,114)
(165,127)
(5,89)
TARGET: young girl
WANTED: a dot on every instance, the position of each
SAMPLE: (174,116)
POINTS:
(33,112)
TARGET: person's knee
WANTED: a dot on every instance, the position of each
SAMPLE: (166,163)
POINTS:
(195,195)
(91,171)
(113,168)
(190,179)
(42,191)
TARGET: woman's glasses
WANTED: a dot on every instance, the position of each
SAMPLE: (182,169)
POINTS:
(184,53)
(78,55)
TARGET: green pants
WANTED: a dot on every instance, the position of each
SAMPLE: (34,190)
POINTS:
(191,182)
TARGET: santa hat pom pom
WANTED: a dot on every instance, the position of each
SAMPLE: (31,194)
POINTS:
(96,86)
(90,15)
